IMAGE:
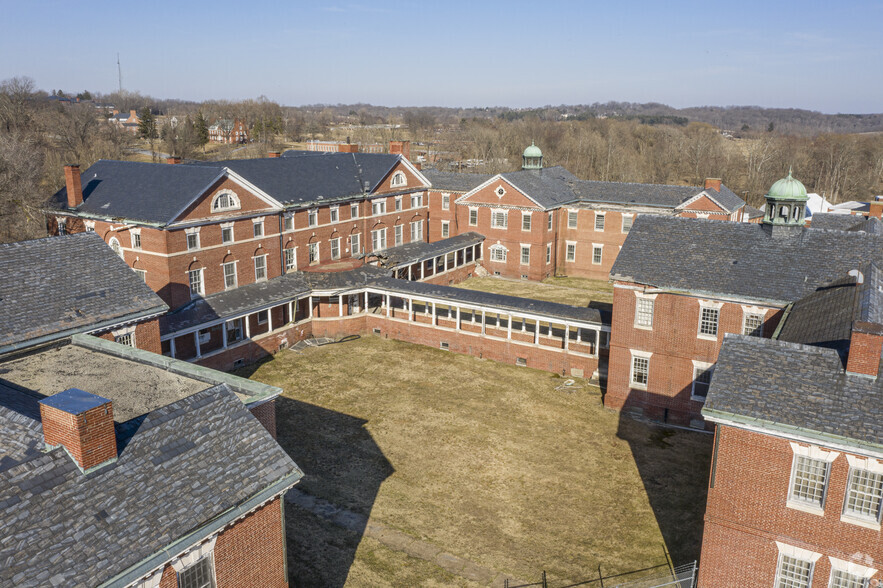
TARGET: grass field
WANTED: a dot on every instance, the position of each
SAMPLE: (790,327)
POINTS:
(573,291)
(491,462)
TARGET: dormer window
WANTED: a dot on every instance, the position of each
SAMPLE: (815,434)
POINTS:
(398,179)
(225,201)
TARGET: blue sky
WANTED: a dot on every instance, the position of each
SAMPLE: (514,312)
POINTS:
(819,55)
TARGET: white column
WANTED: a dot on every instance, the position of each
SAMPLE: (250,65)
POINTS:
(291,311)
(269,320)
(523,324)
(566,336)
(410,272)
(509,327)
(422,269)
(196,340)
(536,332)
(310,300)
(247,320)
(224,333)
(483,329)
(340,305)
(433,314)
(388,302)
(458,319)
(578,335)
(410,309)
(172,347)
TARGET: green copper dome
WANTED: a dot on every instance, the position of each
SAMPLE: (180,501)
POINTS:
(788,189)
(533,151)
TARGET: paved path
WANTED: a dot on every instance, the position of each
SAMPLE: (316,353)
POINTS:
(396,540)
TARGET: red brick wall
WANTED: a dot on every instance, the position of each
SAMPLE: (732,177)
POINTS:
(88,436)
(146,336)
(266,414)
(674,344)
(451,277)
(585,235)
(864,354)
(437,214)
(746,514)
(248,554)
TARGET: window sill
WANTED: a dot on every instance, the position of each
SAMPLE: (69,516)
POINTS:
(698,398)
(868,524)
(804,507)
(707,337)
(644,327)
(635,386)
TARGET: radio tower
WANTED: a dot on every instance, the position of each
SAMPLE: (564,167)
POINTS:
(120,73)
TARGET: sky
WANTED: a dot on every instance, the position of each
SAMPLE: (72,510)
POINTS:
(818,55)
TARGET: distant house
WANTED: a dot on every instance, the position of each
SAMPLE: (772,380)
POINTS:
(126,121)
(228,131)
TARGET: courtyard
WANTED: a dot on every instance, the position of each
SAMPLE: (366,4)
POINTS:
(505,467)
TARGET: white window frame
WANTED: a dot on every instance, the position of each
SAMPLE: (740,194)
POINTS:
(445,229)
(525,248)
(642,355)
(258,222)
(548,253)
(89,224)
(354,210)
(417,200)
(228,227)
(355,244)
(859,571)
(135,236)
(192,232)
(398,203)
(651,298)
(498,253)
(499,222)
(709,305)
(570,251)
(262,313)
(289,255)
(597,248)
(378,239)
(378,206)
(141,274)
(700,367)
(200,282)
(114,244)
(335,246)
(631,219)
(398,235)
(288,223)
(871,466)
(599,216)
(446,201)
(572,219)
(313,217)
(124,336)
(224,267)
(417,231)
(260,263)
(803,555)
(334,213)
(231,196)
(313,249)
(398,179)
(753,312)
(473,217)
(500,191)
(549,223)
(526,220)
(816,453)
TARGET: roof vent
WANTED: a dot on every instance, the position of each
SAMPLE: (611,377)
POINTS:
(859,277)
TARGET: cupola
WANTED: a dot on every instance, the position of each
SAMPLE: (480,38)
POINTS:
(532,158)
(786,203)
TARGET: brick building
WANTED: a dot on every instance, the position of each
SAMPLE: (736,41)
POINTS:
(226,130)
(680,285)
(54,288)
(796,480)
(169,477)
(541,221)
(195,230)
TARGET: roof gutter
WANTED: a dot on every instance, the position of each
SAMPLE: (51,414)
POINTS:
(171,551)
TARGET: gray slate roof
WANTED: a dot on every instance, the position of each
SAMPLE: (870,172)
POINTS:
(413,252)
(794,388)
(846,222)
(549,187)
(54,287)
(823,318)
(454,181)
(740,259)
(179,468)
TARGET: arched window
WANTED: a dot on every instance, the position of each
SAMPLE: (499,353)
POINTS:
(783,212)
(498,253)
(796,212)
(225,201)
(398,179)
(115,245)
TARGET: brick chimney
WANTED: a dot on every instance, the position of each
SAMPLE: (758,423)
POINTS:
(403,148)
(83,424)
(133,113)
(173,160)
(876,209)
(347,148)
(713,184)
(865,348)
(274,154)
(74,185)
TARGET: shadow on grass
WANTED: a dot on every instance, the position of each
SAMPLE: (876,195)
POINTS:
(674,467)
(342,464)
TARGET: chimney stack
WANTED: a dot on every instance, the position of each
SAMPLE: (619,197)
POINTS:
(713,184)
(173,159)
(402,148)
(865,348)
(83,424)
(876,209)
(74,185)
(347,148)
(133,113)
(274,154)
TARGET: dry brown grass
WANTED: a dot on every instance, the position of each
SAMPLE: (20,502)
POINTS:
(488,461)
(573,291)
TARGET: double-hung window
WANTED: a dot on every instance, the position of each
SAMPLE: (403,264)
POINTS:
(597,253)
(314,253)
(570,251)
(355,244)
(793,572)
(227,233)
(549,222)
(335,248)
(195,277)
(473,217)
(192,240)
(702,373)
(398,203)
(525,221)
(445,229)
(416,200)
(234,330)
(864,491)
(499,219)
(599,221)
(752,324)
(136,239)
(335,214)
(290,259)
(141,274)
(844,579)
(548,253)
(708,321)
(258,229)
(354,211)
(399,235)
(378,240)
(644,312)
(229,275)
(640,373)
(627,222)
(571,219)
(260,268)
(525,255)
(289,222)
(446,201)
(809,477)
(498,253)
(313,218)
(378,207)
(416,231)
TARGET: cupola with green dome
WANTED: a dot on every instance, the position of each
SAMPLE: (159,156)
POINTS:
(786,203)
(532,158)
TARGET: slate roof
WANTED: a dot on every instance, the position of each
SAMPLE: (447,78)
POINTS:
(197,458)
(795,388)
(740,259)
(549,187)
(846,222)
(413,252)
(454,181)
(54,287)
(823,318)
(753,213)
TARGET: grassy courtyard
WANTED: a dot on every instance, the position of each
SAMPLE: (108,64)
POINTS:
(573,291)
(493,463)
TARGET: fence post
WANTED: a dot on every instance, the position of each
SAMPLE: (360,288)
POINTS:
(693,581)
(506,583)
(544,580)
(600,577)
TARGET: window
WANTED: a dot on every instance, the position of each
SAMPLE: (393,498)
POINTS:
(204,335)
(701,379)
(378,207)
(136,240)
(809,477)
(498,253)
(195,277)
(473,217)
(446,201)
(793,572)
(354,210)
(640,371)
(225,201)
(229,275)
(127,339)
(525,254)
(644,312)
(599,221)
(355,244)
(314,253)
(62,227)
(499,219)
(446,229)
(90,226)
(312,218)
(234,331)
(570,252)
(752,324)
(115,245)
(596,254)
(227,234)
(708,318)
(192,241)
(548,253)
(142,274)
(335,214)
(290,259)
(335,248)
(378,240)
(500,191)
(627,223)
(263,317)
(258,229)
(571,219)
(843,579)
(398,179)
(864,492)
(848,574)
(549,222)
(525,221)
(289,222)
(398,234)
(416,231)
(398,202)
(260,268)
(416,200)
